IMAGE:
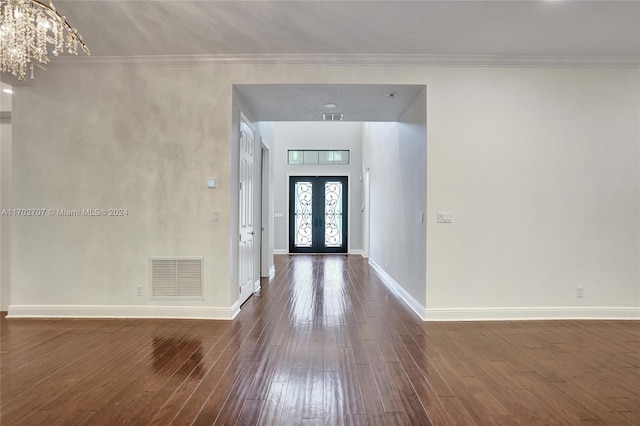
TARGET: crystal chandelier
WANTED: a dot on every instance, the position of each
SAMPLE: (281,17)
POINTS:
(27,28)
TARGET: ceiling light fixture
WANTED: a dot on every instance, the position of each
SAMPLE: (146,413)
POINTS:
(27,27)
(330,105)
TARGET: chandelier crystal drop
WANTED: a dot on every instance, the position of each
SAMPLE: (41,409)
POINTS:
(27,28)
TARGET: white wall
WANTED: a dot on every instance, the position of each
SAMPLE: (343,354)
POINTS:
(318,135)
(5,199)
(540,169)
(267,193)
(531,161)
(396,156)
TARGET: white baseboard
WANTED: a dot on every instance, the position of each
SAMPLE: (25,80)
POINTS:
(539,313)
(272,270)
(280,251)
(235,309)
(124,311)
(395,287)
(356,252)
(506,314)
(256,286)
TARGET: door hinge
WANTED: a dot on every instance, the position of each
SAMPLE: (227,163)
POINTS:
(239,237)
(240,186)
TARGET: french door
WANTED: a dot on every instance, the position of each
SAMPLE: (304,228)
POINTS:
(318,214)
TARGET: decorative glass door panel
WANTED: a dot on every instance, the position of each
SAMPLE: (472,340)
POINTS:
(333,231)
(318,214)
(303,214)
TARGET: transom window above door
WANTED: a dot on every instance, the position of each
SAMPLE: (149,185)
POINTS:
(318,156)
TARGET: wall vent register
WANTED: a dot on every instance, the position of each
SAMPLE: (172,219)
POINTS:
(176,278)
(322,157)
(332,116)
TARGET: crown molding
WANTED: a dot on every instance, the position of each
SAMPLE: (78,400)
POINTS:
(351,59)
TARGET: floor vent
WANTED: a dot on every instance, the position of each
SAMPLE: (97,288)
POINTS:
(176,278)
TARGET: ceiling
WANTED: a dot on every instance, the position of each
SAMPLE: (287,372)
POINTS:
(542,32)
(306,102)
(545,28)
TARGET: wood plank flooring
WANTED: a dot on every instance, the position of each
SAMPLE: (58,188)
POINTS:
(323,343)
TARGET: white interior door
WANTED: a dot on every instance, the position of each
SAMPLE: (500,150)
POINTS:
(246,247)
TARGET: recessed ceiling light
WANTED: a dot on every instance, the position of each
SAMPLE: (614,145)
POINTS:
(9,91)
(330,105)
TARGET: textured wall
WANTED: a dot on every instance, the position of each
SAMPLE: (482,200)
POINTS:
(5,202)
(141,140)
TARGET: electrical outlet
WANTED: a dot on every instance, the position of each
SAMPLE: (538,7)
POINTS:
(580,292)
(139,290)
(445,217)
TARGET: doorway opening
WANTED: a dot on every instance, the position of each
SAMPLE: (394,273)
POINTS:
(384,128)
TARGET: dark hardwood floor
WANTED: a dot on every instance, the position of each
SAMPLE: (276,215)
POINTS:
(324,342)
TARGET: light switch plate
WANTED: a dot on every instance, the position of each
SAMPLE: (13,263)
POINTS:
(445,217)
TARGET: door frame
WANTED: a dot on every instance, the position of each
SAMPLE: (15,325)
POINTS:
(266,266)
(366,215)
(310,174)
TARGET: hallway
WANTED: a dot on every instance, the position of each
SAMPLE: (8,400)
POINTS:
(323,342)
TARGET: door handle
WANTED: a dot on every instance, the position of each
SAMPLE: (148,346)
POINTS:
(252,233)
